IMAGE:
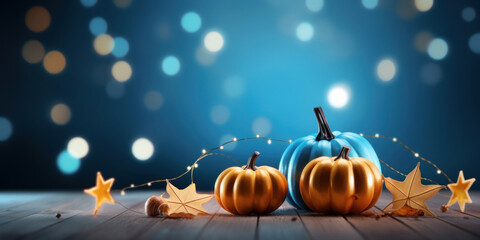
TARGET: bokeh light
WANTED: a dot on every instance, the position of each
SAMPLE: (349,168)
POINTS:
(225,138)
(304,31)
(6,129)
(78,147)
(142,149)
(153,100)
(370,4)
(431,74)
(191,22)
(60,114)
(437,49)
(474,43)
(219,114)
(98,26)
(54,62)
(468,14)
(122,3)
(171,65)
(204,57)
(386,70)
(314,5)
(421,41)
(33,51)
(37,19)
(262,126)
(213,41)
(121,71)
(338,96)
(67,163)
(103,44)
(234,86)
(88,3)
(423,5)
(406,9)
(115,89)
(120,47)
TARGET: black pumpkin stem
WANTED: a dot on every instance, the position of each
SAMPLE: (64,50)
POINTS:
(324,132)
(344,153)
(251,161)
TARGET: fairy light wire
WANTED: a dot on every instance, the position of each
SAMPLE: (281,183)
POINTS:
(416,154)
(205,153)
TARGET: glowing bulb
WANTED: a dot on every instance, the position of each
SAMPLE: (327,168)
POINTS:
(204,151)
(386,70)
(269,141)
(189,168)
(290,141)
(122,193)
(361,134)
(377,135)
(196,165)
(142,149)
(78,147)
(131,185)
(417,155)
(221,147)
(213,41)
(258,136)
(338,96)
(234,139)
(149,184)
(394,139)
(438,171)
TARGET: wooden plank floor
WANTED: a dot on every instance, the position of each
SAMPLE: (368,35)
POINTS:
(31,215)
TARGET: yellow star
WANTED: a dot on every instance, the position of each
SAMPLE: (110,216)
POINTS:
(460,191)
(411,192)
(186,200)
(101,192)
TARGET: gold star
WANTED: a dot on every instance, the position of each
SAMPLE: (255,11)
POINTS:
(101,192)
(460,191)
(186,200)
(411,192)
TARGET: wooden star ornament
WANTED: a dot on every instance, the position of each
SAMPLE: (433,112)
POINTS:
(186,200)
(460,191)
(101,192)
(411,192)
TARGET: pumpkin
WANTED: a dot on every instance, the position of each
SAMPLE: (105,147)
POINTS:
(250,189)
(340,184)
(323,143)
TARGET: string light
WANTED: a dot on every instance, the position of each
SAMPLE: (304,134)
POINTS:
(205,153)
(416,154)
(361,134)
(269,141)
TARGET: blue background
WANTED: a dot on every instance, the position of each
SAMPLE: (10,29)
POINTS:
(284,78)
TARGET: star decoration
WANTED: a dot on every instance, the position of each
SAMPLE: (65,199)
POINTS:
(101,192)
(460,191)
(186,200)
(411,192)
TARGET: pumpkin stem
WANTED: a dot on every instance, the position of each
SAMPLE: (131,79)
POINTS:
(251,161)
(324,132)
(344,153)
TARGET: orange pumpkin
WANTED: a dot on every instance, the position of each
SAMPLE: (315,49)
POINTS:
(340,184)
(251,189)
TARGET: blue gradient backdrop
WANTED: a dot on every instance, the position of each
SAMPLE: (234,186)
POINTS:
(283,77)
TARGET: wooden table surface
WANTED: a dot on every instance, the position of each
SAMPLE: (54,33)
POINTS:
(32,215)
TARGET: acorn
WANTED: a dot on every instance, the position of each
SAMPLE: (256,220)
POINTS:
(155,206)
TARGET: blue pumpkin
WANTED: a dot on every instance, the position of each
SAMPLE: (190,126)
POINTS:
(324,143)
